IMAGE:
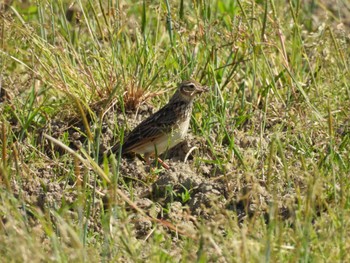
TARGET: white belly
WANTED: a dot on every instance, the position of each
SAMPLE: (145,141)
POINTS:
(179,134)
(167,142)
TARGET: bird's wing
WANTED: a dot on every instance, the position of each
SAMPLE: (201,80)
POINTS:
(152,128)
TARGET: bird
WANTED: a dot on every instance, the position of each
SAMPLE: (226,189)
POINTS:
(165,128)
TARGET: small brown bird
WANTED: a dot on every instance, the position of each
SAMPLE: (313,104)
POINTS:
(165,128)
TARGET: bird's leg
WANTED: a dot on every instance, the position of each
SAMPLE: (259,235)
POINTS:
(163,163)
(146,158)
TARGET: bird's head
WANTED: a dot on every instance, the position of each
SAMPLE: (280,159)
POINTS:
(190,88)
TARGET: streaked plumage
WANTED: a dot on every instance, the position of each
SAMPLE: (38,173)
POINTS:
(165,128)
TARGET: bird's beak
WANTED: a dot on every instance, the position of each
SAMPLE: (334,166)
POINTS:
(203,89)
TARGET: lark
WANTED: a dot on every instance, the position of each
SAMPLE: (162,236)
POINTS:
(165,128)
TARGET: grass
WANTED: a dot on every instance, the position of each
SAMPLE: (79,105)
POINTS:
(275,129)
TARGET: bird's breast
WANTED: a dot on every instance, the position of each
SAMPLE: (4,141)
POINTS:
(183,128)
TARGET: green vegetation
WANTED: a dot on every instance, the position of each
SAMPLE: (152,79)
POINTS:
(274,129)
